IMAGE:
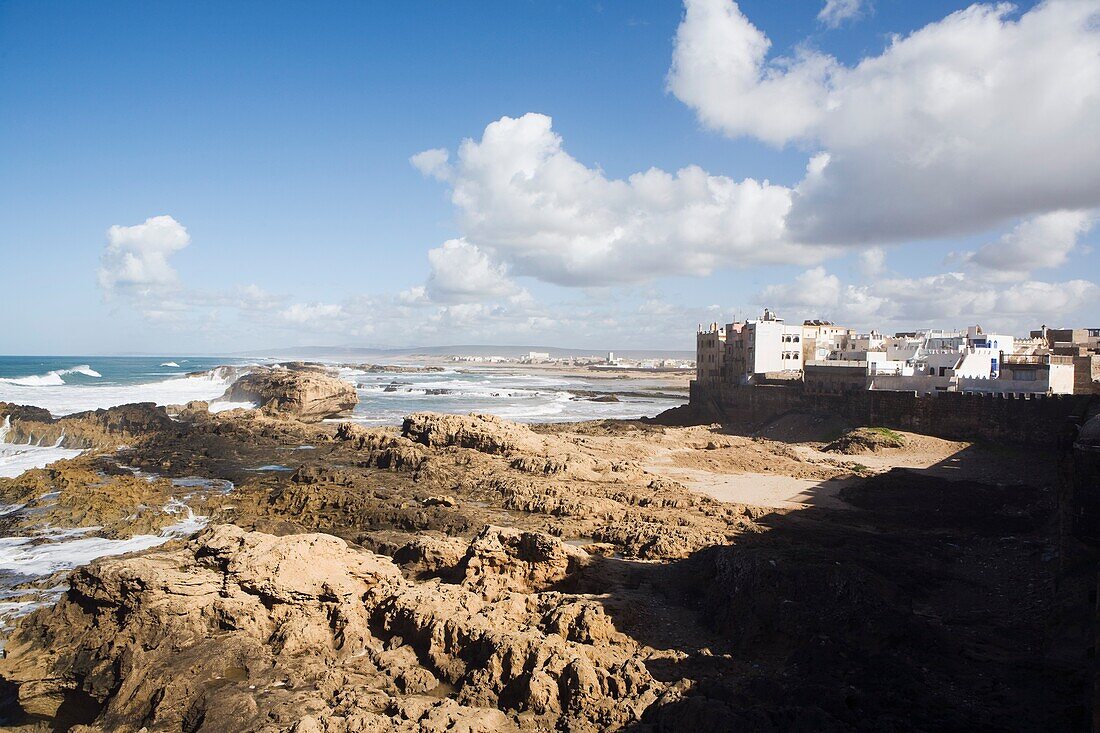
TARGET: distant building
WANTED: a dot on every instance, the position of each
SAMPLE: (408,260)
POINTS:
(831,359)
(820,338)
(709,354)
(536,357)
(755,348)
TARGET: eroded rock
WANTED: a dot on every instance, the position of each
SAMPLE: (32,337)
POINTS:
(305,394)
(240,630)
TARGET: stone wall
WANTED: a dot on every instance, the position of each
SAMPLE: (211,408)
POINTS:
(1025,419)
(1086,373)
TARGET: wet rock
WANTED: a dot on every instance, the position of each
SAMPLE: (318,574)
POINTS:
(92,429)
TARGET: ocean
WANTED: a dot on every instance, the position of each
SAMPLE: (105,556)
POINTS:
(64,385)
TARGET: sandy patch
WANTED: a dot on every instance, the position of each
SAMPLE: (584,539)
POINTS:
(762,489)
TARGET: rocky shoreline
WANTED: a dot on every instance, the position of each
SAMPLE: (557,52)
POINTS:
(469,573)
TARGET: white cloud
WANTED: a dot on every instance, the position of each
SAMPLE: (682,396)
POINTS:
(528,204)
(1042,242)
(414,295)
(835,12)
(946,299)
(312,313)
(135,259)
(719,69)
(254,298)
(969,122)
(432,163)
(462,273)
(811,291)
(872,262)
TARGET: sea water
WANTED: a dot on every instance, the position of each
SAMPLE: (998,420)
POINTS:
(64,385)
(68,384)
(386,398)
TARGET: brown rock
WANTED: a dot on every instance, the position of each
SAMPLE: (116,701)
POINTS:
(501,560)
(484,433)
(92,429)
(240,630)
(307,395)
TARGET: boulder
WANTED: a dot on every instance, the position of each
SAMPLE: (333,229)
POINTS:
(306,395)
(502,560)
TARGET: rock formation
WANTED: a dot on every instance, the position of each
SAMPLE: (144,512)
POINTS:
(305,394)
(92,429)
(240,630)
(484,433)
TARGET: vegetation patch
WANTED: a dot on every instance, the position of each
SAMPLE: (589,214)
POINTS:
(866,440)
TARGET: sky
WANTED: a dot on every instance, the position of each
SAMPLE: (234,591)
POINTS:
(227,177)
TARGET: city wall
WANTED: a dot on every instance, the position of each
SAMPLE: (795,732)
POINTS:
(1026,420)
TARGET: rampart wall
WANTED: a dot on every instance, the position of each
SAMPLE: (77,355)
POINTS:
(1023,419)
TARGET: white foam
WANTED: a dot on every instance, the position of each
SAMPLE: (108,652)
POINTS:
(64,399)
(16,458)
(170,364)
(219,406)
(51,378)
(26,556)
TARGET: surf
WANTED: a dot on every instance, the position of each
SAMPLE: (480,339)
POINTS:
(53,378)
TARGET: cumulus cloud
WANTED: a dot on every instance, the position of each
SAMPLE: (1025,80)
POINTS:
(526,203)
(432,163)
(872,262)
(946,298)
(1041,242)
(964,124)
(835,12)
(811,291)
(135,259)
(462,273)
(720,69)
(311,313)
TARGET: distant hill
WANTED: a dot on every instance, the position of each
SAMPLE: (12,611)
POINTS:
(355,352)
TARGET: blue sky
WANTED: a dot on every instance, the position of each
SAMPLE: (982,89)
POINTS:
(279,136)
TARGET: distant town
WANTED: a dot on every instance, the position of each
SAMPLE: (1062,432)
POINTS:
(830,359)
(611,361)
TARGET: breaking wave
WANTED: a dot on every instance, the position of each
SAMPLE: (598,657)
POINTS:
(62,398)
(53,378)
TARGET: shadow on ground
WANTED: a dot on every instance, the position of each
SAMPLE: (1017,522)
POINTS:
(932,605)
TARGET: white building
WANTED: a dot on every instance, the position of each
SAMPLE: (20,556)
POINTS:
(770,345)
(1026,374)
